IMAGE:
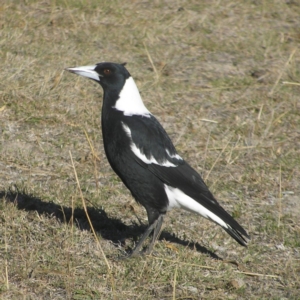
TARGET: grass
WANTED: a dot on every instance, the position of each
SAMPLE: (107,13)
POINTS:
(222,77)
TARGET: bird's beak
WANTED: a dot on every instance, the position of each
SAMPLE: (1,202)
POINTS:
(85,71)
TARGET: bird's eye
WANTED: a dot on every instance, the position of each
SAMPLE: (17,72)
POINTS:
(107,71)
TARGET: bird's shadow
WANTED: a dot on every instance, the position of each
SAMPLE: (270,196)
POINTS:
(110,229)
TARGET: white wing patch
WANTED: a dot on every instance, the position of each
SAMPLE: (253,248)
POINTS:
(137,152)
(130,101)
(174,155)
(177,198)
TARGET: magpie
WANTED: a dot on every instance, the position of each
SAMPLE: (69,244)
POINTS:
(142,154)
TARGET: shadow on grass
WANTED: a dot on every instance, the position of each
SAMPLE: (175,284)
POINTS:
(109,228)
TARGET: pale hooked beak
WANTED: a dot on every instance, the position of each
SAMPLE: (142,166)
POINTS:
(85,71)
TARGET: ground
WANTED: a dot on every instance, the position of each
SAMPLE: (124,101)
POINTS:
(223,77)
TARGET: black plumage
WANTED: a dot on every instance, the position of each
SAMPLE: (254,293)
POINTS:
(141,153)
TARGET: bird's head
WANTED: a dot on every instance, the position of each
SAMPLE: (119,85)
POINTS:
(120,90)
(108,75)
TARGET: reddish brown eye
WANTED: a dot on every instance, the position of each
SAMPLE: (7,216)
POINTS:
(107,71)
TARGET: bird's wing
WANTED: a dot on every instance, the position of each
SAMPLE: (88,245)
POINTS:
(154,150)
(149,141)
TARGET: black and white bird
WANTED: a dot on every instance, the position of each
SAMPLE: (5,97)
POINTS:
(141,153)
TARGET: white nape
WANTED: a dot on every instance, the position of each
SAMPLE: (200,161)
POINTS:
(130,101)
(137,152)
(86,71)
(178,199)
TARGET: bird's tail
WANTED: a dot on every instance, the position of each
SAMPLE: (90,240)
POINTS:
(238,233)
(230,225)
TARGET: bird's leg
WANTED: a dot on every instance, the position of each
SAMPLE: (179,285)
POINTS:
(135,251)
(155,227)
(156,233)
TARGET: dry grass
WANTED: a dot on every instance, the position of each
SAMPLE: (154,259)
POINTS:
(223,78)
